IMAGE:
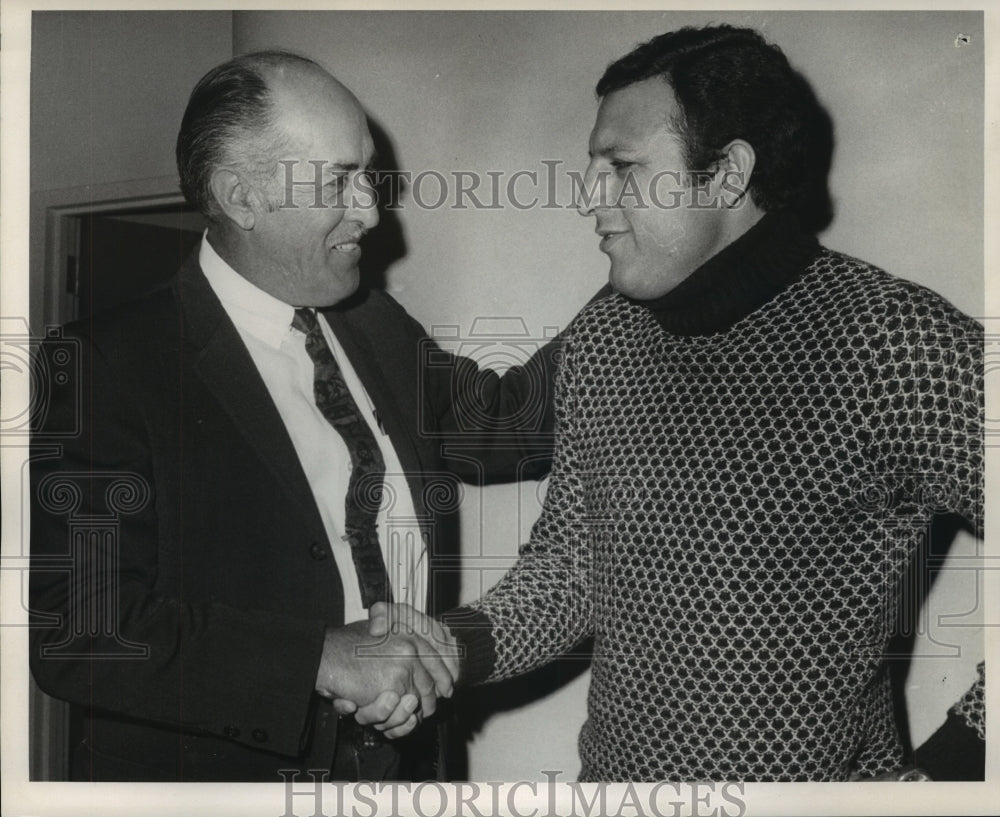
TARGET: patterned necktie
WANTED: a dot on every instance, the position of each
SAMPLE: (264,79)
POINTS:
(364,491)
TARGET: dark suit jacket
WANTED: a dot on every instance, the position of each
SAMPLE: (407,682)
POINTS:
(182,579)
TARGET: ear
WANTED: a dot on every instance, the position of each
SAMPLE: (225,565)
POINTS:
(235,197)
(733,172)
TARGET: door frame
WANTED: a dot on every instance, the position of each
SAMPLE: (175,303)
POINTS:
(55,235)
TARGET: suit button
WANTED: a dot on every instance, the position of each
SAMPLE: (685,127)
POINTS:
(260,735)
(231,732)
(319,551)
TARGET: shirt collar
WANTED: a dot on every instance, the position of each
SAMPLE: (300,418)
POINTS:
(249,307)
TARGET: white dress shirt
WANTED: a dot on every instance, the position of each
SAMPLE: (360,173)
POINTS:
(265,325)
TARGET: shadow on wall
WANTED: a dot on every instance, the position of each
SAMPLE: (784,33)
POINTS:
(387,243)
(816,209)
(472,708)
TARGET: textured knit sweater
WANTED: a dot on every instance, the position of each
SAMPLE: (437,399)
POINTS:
(743,471)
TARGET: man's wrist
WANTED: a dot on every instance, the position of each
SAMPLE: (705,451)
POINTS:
(472,631)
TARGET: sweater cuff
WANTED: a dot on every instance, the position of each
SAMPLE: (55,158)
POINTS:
(473,631)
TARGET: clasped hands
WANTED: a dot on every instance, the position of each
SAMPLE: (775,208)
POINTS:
(388,671)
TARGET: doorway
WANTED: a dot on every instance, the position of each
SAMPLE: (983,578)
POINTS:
(122,254)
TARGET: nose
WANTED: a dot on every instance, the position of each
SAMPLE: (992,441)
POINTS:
(593,194)
(364,202)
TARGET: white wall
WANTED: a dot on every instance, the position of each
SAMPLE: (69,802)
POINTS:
(108,91)
(505,91)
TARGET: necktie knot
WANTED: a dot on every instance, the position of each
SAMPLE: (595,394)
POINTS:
(307,323)
(304,320)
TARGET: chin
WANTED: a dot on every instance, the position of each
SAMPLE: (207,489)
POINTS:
(625,284)
(345,286)
(643,285)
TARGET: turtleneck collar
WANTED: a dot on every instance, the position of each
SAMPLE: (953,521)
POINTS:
(738,279)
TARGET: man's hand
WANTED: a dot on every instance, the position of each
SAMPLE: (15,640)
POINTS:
(384,619)
(395,678)
(387,712)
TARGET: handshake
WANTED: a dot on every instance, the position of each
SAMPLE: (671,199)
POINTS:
(388,671)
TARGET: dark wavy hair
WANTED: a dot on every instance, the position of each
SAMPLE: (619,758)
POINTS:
(730,83)
(229,122)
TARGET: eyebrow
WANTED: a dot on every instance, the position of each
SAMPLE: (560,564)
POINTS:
(612,148)
(340,167)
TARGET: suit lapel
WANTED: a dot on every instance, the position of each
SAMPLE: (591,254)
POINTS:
(229,373)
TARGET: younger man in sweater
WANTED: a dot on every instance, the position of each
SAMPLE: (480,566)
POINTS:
(753,434)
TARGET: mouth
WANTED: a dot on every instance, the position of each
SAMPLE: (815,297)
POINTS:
(608,240)
(351,247)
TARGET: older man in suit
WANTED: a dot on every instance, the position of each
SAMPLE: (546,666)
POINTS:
(256,430)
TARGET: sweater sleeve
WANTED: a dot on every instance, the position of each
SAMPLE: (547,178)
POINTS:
(542,607)
(926,415)
(971,708)
(926,409)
